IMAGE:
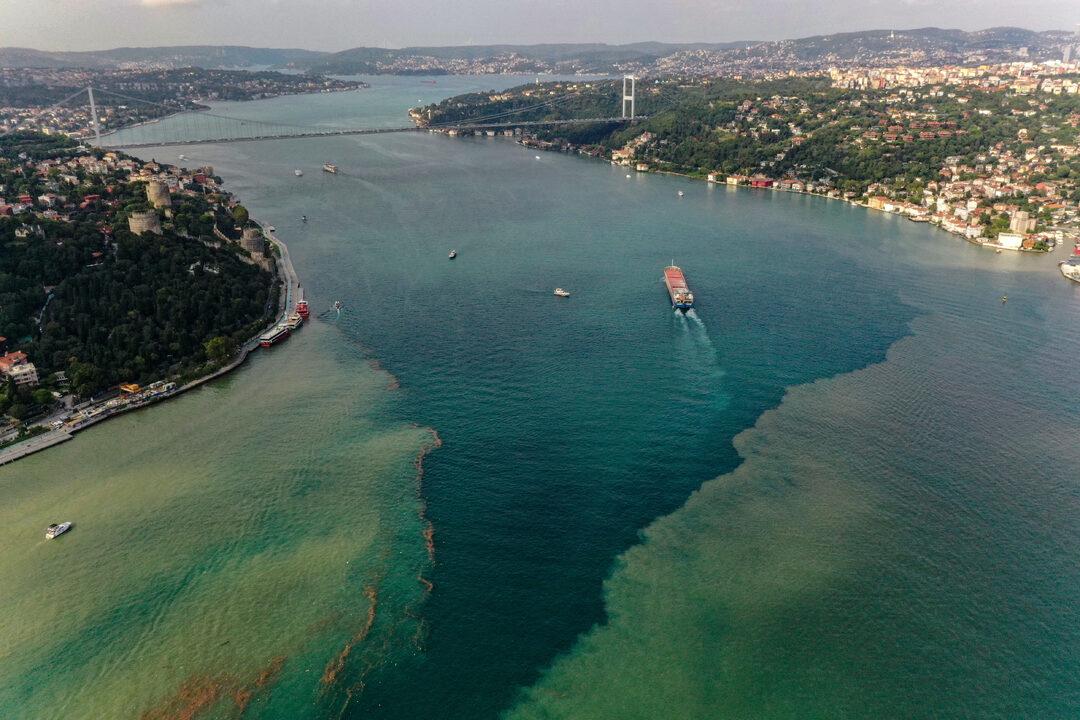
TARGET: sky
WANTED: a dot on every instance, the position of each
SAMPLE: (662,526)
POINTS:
(340,24)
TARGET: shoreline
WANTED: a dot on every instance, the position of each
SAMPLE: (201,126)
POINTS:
(919,221)
(206,108)
(55,436)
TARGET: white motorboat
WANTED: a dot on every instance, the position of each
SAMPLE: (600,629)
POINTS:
(56,530)
(559,292)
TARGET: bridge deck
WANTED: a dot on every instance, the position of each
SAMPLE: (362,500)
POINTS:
(367,131)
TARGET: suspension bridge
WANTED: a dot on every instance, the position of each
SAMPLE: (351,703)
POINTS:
(175,125)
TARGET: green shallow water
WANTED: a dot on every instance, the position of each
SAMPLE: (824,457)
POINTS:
(224,543)
(841,488)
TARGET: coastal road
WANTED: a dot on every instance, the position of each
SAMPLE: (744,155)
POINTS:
(33,445)
(288,272)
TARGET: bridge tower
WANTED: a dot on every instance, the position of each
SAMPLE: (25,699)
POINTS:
(94,116)
(628,98)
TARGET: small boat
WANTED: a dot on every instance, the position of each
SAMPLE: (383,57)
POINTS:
(537,157)
(298,172)
(681,193)
(1004,299)
(453,254)
(559,292)
(330,168)
(56,530)
(180,156)
(303,218)
(271,228)
(338,305)
(998,251)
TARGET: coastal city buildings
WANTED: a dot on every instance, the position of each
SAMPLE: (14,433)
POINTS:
(18,368)
(989,153)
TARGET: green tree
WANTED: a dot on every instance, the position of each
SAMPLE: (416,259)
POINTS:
(219,349)
(240,214)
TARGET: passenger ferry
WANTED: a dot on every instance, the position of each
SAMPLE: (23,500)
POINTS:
(274,335)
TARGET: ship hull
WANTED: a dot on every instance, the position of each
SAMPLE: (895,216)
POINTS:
(678,291)
(279,334)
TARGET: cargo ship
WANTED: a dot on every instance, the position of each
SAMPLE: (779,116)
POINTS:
(681,297)
(274,335)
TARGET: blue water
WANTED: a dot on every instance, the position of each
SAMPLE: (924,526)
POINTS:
(893,523)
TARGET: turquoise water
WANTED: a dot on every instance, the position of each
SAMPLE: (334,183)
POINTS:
(841,488)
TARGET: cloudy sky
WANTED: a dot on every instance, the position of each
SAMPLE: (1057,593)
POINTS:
(340,24)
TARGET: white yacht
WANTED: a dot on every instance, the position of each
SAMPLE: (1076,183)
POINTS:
(1071,268)
(56,530)
(298,172)
(559,292)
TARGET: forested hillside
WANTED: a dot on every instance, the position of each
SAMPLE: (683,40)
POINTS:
(81,293)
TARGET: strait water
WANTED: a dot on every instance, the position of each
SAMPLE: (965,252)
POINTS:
(843,487)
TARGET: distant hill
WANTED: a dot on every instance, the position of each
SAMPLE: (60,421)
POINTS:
(204,56)
(586,56)
(926,44)
(929,40)
(872,46)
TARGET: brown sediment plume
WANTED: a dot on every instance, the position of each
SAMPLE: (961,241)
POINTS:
(201,693)
(428,532)
(270,672)
(392,382)
(428,585)
(335,666)
(429,540)
(195,695)
(241,698)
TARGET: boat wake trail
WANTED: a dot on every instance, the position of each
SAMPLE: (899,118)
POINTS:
(696,326)
(696,347)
